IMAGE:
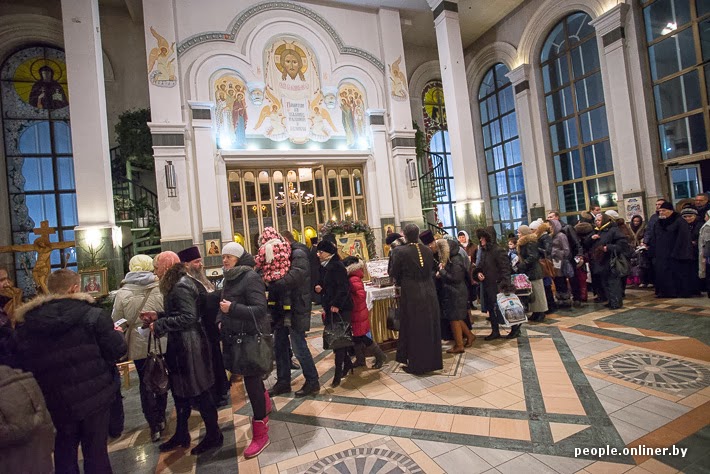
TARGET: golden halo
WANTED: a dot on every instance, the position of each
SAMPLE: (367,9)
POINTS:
(40,63)
(290,48)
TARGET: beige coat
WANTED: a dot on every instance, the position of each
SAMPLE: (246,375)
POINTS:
(128,305)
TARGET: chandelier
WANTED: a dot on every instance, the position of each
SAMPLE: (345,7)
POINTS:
(294,197)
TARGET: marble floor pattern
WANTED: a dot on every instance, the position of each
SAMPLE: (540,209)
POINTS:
(583,378)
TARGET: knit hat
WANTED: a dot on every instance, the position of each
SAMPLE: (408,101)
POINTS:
(233,248)
(273,243)
(688,211)
(141,263)
(525,230)
(189,254)
(392,237)
(535,224)
(668,206)
(327,246)
(612,213)
(426,237)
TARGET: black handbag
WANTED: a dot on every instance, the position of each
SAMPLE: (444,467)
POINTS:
(155,372)
(249,354)
(338,334)
(619,265)
(393,314)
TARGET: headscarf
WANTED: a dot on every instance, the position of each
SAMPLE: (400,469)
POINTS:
(140,263)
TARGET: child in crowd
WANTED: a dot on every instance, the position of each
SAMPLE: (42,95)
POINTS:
(513,252)
(359,318)
(274,261)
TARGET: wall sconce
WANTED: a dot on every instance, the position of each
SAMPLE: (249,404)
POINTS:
(170,179)
(412,173)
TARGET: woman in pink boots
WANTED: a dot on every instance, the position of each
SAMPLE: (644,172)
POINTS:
(243,311)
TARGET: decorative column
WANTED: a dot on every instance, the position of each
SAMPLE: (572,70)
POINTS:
(87,106)
(178,228)
(380,202)
(458,112)
(408,207)
(537,195)
(611,40)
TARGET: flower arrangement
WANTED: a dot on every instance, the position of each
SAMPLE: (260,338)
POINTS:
(354,227)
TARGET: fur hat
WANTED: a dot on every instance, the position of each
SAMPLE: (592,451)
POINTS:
(233,248)
(189,254)
(688,211)
(426,237)
(525,230)
(327,246)
(141,263)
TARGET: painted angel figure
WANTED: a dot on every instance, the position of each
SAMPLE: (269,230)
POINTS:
(274,113)
(160,55)
(398,80)
(319,115)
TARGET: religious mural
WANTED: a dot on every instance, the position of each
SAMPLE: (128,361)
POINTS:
(290,104)
(398,81)
(434,108)
(161,62)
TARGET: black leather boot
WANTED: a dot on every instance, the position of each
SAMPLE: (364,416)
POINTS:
(210,441)
(495,332)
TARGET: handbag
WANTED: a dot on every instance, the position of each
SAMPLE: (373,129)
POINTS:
(155,372)
(619,265)
(338,335)
(547,267)
(393,315)
(511,309)
(249,354)
(567,269)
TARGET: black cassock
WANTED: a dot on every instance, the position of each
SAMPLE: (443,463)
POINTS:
(672,254)
(419,344)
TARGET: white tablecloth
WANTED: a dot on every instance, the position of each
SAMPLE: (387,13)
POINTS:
(375,294)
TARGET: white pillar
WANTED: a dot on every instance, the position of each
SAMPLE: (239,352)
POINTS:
(204,168)
(400,113)
(87,106)
(535,169)
(617,95)
(378,177)
(408,198)
(458,113)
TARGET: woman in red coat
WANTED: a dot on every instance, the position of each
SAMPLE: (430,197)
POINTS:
(360,318)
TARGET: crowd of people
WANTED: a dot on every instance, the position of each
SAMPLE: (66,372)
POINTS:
(70,346)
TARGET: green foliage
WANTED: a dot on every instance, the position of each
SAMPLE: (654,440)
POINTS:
(352,227)
(134,138)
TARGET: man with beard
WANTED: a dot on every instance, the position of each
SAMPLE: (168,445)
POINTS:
(209,308)
(671,250)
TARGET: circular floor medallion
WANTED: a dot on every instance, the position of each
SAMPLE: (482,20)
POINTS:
(370,460)
(654,370)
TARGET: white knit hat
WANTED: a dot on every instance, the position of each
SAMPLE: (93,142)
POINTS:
(612,213)
(535,224)
(233,248)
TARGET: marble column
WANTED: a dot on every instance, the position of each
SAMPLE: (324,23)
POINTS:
(90,145)
(458,113)
(535,171)
(611,40)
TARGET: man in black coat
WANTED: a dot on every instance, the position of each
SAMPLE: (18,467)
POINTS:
(702,205)
(672,254)
(298,283)
(494,274)
(71,347)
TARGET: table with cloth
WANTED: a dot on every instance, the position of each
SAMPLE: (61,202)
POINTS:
(379,301)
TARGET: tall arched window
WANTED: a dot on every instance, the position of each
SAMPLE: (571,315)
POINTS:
(38,152)
(576,114)
(504,167)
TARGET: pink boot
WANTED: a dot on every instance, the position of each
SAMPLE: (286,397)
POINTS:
(268,401)
(259,439)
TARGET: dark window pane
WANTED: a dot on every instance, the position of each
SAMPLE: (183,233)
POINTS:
(487,86)
(593,125)
(235,191)
(38,174)
(663,16)
(510,126)
(486,136)
(515,179)
(578,27)
(484,111)
(555,74)
(571,197)
(589,91)
(554,43)
(504,208)
(563,135)
(585,58)
(683,137)
(567,166)
(512,152)
(672,54)
(498,161)
(42,207)
(62,138)
(492,107)
(501,78)
(707,78)
(602,191)
(703,7)
(704,28)
(559,104)
(519,209)
(65,173)
(67,204)
(506,101)
(678,95)
(495,132)
(497,182)
(597,158)
(35,139)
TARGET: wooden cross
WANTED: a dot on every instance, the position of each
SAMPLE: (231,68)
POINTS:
(44,248)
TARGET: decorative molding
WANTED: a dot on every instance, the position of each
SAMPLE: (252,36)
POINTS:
(201,114)
(427,72)
(404,142)
(522,87)
(613,36)
(477,68)
(611,20)
(168,139)
(377,119)
(233,29)
(445,6)
(519,74)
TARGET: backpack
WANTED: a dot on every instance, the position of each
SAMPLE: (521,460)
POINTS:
(22,407)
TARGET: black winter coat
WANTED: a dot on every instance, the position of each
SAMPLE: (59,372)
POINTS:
(188,355)
(575,246)
(298,283)
(248,313)
(529,257)
(495,267)
(70,346)
(672,254)
(336,288)
(614,240)
(453,294)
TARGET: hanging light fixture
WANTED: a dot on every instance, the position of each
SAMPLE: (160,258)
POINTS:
(296,198)
(170,179)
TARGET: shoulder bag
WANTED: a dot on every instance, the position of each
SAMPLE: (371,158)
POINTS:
(393,316)
(338,334)
(155,373)
(249,354)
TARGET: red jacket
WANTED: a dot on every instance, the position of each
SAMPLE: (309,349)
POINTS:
(360,317)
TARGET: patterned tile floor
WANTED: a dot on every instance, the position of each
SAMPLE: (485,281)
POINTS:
(584,378)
